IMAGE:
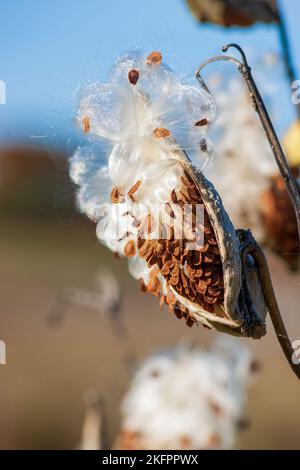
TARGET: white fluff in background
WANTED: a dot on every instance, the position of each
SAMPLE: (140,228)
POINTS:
(188,398)
(242,170)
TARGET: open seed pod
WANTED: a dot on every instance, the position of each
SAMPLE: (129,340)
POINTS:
(147,199)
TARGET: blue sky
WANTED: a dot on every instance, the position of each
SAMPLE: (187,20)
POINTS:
(48,48)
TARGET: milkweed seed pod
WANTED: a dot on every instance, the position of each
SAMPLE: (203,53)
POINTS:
(279,221)
(160,411)
(153,205)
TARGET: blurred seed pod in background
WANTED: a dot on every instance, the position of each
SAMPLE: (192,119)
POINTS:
(247,176)
(187,399)
(291,143)
(279,222)
(234,12)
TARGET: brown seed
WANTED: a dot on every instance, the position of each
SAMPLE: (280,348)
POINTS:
(214,292)
(136,223)
(133,76)
(167,257)
(194,194)
(170,211)
(178,312)
(212,240)
(86,124)
(201,287)
(175,275)
(167,267)
(198,273)
(145,249)
(154,271)
(154,286)
(174,196)
(215,277)
(170,298)
(159,249)
(189,177)
(133,190)
(204,248)
(143,286)
(214,249)
(154,58)
(185,181)
(196,258)
(161,132)
(148,224)
(140,242)
(152,260)
(174,280)
(208,257)
(207,271)
(115,195)
(177,251)
(184,197)
(130,249)
(206,280)
(210,300)
(184,280)
(202,122)
(190,322)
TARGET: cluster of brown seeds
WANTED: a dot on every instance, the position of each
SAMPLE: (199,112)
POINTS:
(195,274)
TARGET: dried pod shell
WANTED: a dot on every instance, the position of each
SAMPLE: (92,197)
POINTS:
(229,316)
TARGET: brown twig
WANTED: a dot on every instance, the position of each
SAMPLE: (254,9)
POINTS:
(253,248)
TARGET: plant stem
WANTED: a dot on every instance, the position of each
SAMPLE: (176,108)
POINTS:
(253,248)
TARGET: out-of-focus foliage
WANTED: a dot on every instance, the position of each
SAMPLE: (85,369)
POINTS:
(33,181)
(291,143)
(234,12)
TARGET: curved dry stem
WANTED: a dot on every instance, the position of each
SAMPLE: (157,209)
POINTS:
(253,248)
(272,305)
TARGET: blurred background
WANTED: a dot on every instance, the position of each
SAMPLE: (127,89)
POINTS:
(47,50)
